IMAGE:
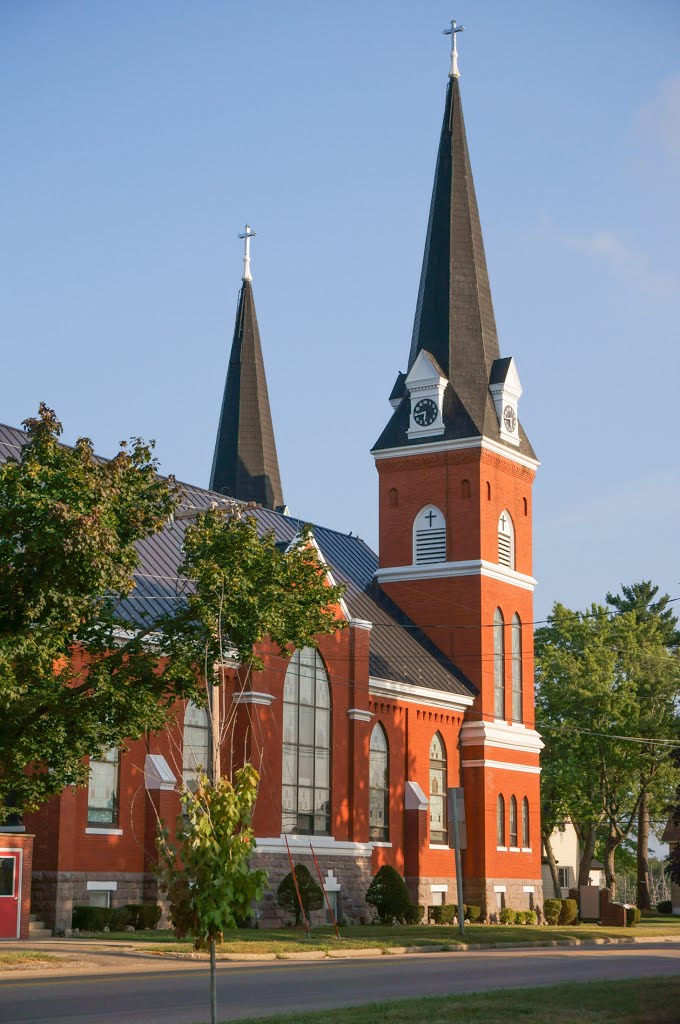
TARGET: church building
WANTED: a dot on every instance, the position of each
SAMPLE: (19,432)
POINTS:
(431,684)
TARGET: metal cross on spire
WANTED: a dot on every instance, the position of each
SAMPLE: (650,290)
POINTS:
(453,32)
(247,235)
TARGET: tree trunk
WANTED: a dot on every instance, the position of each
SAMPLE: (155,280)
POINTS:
(610,848)
(589,836)
(643,893)
(213,984)
(552,864)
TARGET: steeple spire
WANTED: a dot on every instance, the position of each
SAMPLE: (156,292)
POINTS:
(245,464)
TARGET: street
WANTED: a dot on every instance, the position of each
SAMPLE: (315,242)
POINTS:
(179,995)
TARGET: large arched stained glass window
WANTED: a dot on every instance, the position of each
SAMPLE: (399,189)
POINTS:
(379,786)
(499,663)
(196,745)
(306,790)
(516,633)
(438,777)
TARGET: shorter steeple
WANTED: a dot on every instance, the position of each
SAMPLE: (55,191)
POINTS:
(245,464)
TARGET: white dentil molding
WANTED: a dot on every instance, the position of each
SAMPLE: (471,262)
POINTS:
(444,570)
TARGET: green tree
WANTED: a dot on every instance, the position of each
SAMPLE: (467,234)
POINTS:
(389,895)
(205,871)
(600,678)
(641,598)
(76,676)
(311,894)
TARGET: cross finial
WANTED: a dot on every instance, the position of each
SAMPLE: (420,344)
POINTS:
(247,235)
(453,32)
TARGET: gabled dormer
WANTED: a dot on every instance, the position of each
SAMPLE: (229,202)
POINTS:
(425,384)
(506,392)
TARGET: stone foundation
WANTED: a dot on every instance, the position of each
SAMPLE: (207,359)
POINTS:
(421,891)
(482,892)
(54,894)
(353,875)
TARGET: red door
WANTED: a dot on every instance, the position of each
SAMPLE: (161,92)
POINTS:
(10,882)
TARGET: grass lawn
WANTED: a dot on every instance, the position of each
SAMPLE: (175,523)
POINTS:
(646,1001)
(11,959)
(252,940)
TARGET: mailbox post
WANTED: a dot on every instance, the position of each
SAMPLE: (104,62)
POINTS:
(458,839)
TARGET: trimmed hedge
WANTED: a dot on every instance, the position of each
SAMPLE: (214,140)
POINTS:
(552,910)
(389,895)
(633,915)
(508,916)
(443,914)
(414,914)
(568,912)
(95,919)
(665,907)
(472,913)
(527,917)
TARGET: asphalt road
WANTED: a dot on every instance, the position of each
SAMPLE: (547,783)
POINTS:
(179,996)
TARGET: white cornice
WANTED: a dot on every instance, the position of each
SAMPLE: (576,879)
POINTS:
(442,570)
(360,715)
(253,697)
(486,763)
(361,624)
(456,445)
(499,734)
(419,694)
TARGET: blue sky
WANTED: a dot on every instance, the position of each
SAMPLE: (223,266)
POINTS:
(138,138)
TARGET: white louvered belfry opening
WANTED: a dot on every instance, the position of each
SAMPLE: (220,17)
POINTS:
(506,541)
(429,536)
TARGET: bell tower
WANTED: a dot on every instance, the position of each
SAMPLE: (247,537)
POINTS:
(455,481)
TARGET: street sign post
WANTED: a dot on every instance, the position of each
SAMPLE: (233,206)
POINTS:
(458,839)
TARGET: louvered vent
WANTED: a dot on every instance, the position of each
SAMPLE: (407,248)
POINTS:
(505,549)
(430,546)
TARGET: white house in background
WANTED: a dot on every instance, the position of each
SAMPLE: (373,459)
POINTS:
(671,836)
(564,842)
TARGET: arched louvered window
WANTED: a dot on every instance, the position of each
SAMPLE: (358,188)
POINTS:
(500,821)
(379,785)
(196,745)
(306,792)
(506,540)
(498,664)
(526,835)
(513,822)
(438,782)
(429,536)
(516,634)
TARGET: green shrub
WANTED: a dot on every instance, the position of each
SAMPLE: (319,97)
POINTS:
(443,914)
(389,895)
(531,916)
(91,919)
(473,913)
(665,907)
(414,914)
(508,916)
(311,894)
(119,919)
(552,910)
(143,915)
(633,915)
(568,912)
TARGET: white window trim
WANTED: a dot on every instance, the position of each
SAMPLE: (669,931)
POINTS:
(439,846)
(528,888)
(414,538)
(386,846)
(526,849)
(502,849)
(514,849)
(102,886)
(500,888)
(92,830)
(439,888)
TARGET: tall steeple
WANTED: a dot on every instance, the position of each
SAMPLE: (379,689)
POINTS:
(454,320)
(245,464)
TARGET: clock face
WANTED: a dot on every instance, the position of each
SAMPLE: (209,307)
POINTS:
(509,419)
(425,412)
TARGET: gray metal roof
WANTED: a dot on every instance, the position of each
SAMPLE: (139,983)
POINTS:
(399,650)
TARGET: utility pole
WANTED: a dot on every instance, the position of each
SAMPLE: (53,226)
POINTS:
(458,839)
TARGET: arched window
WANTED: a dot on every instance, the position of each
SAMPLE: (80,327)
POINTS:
(513,822)
(526,837)
(500,821)
(498,664)
(102,790)
(429,536)
(394,497)
(526,506)
(306,793)
(438,777)
(465,489)
(378,786)
(506,540)
(196,745)
(488,491)
(516,633)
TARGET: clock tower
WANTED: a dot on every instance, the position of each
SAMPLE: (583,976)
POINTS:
(456,470)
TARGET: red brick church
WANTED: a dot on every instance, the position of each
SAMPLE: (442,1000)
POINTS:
(431,684)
